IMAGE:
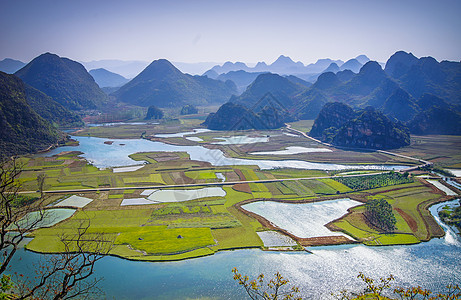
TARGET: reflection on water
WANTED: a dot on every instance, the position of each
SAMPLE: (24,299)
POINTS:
(304,220)
(181,134)
(105,156)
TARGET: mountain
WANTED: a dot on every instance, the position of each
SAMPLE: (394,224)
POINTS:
(10,66)
(332,116)
(127,69)
(400,63)
(400,105)
(372,129)
(281,88)
(64,80)
(345,75)
(363,59)
(426,75)
(302,83)
(106,78)
(22,130)
(351,64)
(241,78)
(163,85)
(436,120)
(435,117)
(230,66)
(50,110)
(283,65)
(235,116)
(338,124)
(320,65)
(211,74)
(333,67)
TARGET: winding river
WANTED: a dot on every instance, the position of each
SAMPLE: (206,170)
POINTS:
(115,155)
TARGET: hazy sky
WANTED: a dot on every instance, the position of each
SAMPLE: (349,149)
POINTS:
(235,30)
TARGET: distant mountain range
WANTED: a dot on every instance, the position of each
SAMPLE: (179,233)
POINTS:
(163,85)
(10,66)
(127,69)
(408,89)
(106,78)
(286,66)
(64,80)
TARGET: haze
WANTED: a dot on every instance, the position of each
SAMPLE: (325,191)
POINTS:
(218,31)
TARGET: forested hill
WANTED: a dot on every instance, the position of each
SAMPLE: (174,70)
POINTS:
(339,125)
(64,80)
(22,130)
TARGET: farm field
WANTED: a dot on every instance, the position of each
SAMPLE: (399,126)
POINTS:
(127,210)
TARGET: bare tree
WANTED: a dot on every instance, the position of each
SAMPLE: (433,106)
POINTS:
(19,215)
(65,275)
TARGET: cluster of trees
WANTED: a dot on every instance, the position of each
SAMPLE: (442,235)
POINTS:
(379,213)
(154,112)
(359,183)
(61,276)
(452,217)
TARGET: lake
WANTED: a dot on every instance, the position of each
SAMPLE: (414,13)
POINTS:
(328,269)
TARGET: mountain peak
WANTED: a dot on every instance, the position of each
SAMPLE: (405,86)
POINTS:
(399,63)
(64,80)
(326,80)
(282,59)
(371,68)
(363,59)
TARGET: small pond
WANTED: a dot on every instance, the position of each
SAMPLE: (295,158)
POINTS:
(304,220)
(292,150)
(185,195)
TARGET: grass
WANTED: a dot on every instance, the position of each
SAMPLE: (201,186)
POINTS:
(336,185)
(163,240)
(303,125)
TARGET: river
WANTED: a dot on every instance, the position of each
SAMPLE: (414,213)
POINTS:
(115,155)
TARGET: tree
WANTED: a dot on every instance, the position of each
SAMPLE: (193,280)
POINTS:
(60,276)
(273,290)
(379,213)
(154,112)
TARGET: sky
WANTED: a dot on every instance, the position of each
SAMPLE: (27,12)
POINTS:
(231,30)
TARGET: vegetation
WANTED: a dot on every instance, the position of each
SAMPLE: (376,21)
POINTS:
(338,124)
(64,80)
(275,289)
(379,213)
(278,289)
(358,183)
(451,216)
(22,130)
(189,110)
(153,113)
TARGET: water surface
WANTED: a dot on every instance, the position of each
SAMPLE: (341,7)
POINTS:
(106,156)
(305,220)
